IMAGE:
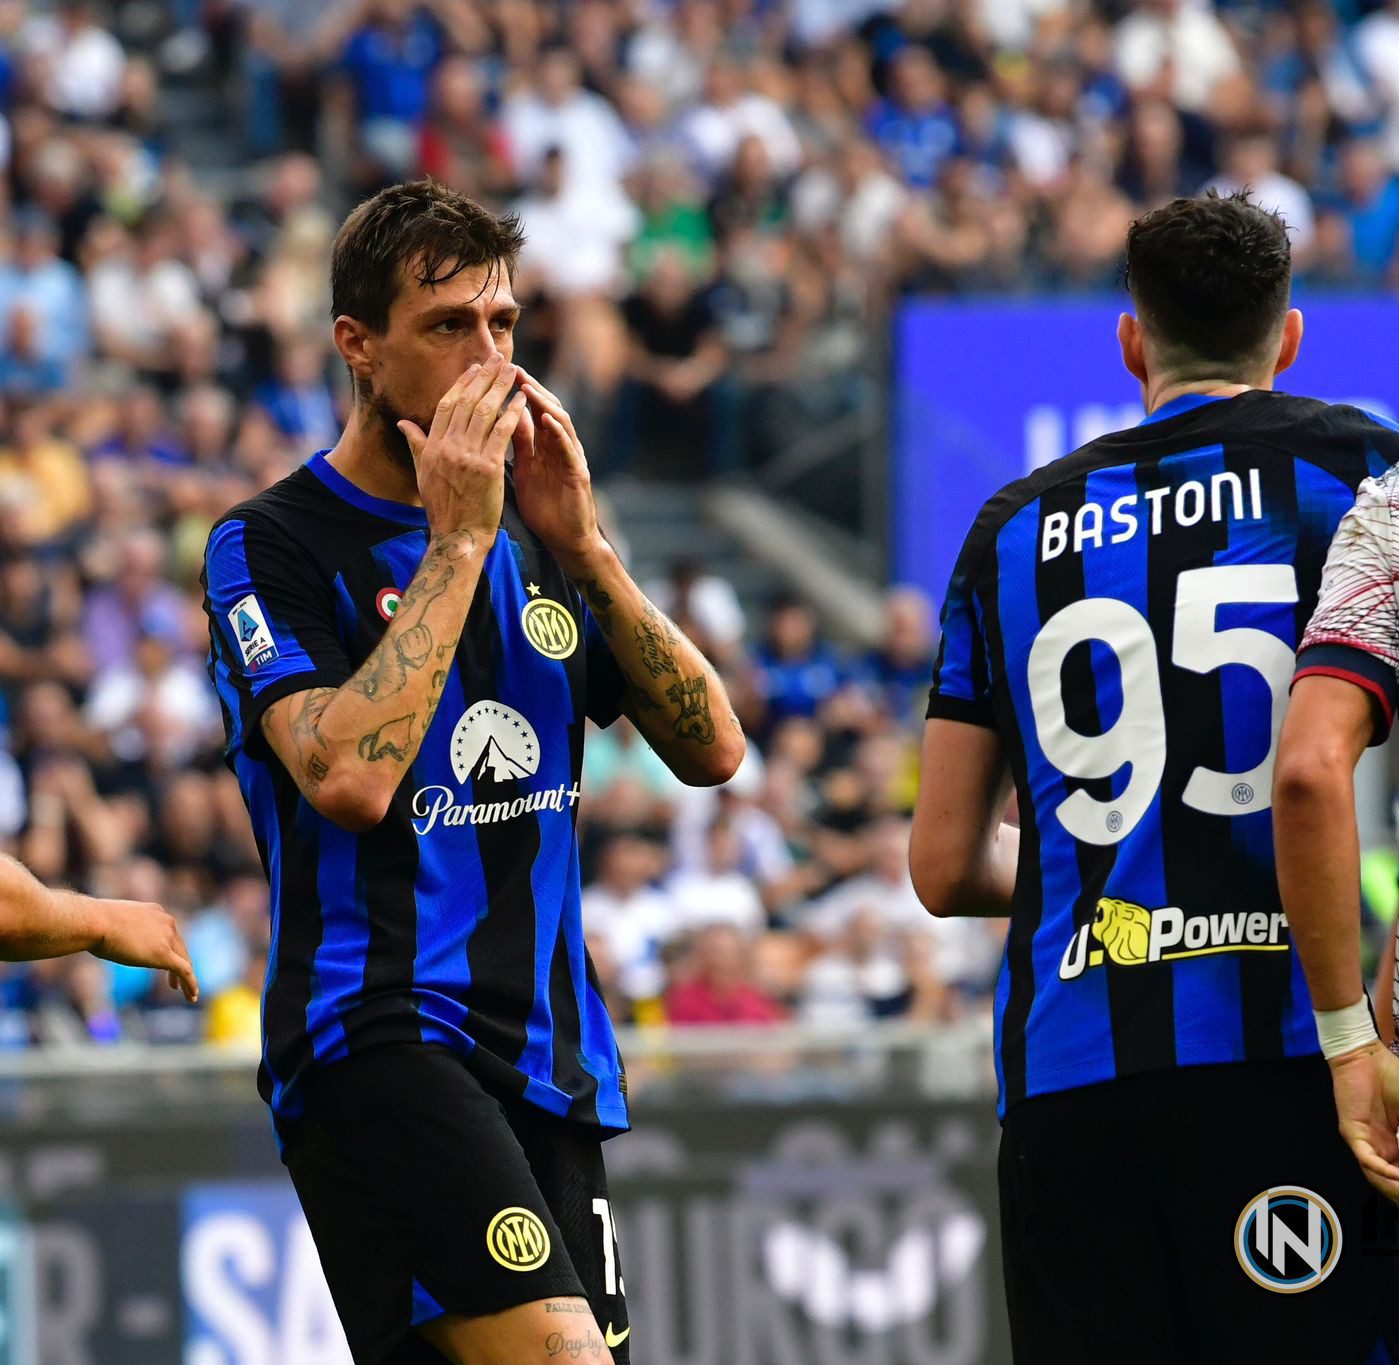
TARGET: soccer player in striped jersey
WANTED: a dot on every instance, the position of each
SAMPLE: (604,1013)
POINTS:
(409,637)
(1118,642)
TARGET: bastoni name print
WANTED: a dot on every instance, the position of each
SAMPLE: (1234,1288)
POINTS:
(1223,498)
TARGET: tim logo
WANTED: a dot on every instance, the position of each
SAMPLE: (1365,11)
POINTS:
(1288,1239)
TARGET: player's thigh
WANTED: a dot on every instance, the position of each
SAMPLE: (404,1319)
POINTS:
(1241,1131)
(360,1239)
(537,1333)
(567,1162)
(1083,1271)
(420,1199)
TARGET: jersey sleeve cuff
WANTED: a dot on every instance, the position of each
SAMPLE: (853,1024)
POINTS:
(943,707)
(254,741)
(1372,675)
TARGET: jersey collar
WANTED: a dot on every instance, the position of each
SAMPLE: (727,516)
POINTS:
(338,484)
(1187,402)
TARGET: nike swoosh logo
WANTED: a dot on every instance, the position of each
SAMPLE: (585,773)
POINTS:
(615,1339)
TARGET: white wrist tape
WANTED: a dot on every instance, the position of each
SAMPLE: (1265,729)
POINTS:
(1345,1030)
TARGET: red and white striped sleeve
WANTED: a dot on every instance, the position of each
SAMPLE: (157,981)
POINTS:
(1354,633)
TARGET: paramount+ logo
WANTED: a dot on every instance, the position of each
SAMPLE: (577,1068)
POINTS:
(517,1239)
(1287,1239)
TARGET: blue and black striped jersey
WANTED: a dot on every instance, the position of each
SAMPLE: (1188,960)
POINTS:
(1126,619)
(456,921)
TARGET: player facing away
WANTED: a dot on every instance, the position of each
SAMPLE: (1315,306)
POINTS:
(409,636)
(1118,641)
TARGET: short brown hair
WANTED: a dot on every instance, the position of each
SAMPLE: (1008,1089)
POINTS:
(422,226)
(1211,277)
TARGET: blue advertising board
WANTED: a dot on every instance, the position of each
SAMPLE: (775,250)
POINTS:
(252,1283)
(987,391)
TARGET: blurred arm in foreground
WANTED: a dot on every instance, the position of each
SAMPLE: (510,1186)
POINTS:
(37,922)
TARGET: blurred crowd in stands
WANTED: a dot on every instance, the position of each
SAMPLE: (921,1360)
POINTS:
(724,199)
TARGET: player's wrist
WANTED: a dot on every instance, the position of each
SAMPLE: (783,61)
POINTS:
(1346,1030)
(588,562)
(91,919)
(460,543)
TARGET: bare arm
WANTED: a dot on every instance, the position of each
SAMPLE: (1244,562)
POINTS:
(36,922)
(1328,725)
(349,747)
(675,697)
(673,691)
(962,856)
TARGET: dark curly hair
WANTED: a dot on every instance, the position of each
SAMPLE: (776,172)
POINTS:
(1211,277)
(420,227)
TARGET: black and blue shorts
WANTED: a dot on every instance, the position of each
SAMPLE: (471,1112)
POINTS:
(427,1195)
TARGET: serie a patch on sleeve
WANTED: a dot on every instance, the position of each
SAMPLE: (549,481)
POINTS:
(252,632)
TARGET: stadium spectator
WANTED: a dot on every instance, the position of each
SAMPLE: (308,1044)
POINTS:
(386,66)
(554,112)
(44,486)
(74,61)
(732,110)
(297,398)
(461,143)
(624,909)
(1179,50)
(717,985)
(915,126)
(576,242)
(50,293)
(795,670)
(136,599)
(898,670)
(1368,201)
(717,891)
(676,357)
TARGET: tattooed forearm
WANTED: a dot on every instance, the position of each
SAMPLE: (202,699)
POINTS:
(317,770)
(601,603)
(306,716)
(656,639)
(672,695)
(394,739)
(439,681)
(408,643)
(304,725)
(334,742)
(694,722)
(642,700)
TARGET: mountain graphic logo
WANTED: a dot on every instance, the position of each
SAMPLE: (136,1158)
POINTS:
(494,743)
